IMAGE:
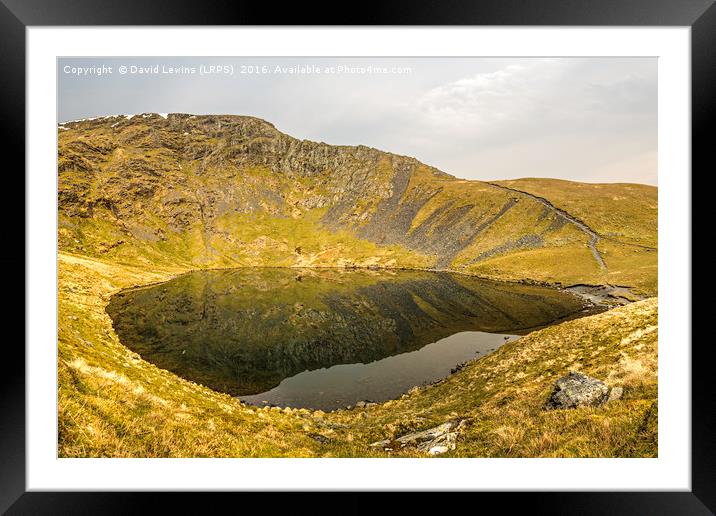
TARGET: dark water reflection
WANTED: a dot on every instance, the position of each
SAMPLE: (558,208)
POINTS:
(325,338)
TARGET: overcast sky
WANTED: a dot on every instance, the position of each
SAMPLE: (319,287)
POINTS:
(583,119)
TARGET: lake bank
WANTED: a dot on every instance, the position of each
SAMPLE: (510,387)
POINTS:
(326,338)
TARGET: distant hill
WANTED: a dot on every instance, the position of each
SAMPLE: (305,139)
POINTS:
(226,191)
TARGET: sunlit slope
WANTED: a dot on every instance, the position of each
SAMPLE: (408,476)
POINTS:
(623,215)
(225,191)
(624,212)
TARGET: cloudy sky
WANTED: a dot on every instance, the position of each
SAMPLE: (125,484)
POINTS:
(583,119)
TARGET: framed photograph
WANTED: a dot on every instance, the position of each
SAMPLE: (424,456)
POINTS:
(445,249)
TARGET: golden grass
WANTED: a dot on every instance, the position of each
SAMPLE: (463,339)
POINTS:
(555,265)
(113,403)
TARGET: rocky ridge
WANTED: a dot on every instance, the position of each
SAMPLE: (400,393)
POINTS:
(226,191)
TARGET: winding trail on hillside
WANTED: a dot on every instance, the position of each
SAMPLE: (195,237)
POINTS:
(593,236)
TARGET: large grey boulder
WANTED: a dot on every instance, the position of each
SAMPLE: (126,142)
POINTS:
(577,390)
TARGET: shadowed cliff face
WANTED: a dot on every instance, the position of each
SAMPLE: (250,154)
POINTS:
(243,331)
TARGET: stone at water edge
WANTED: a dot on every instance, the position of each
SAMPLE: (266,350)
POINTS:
(577,390)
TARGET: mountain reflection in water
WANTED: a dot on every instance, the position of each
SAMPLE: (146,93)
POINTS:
(325,338)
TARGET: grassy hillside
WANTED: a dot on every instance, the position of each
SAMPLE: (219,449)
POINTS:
(623,215)
(621,212)
(225,191)
(112,403)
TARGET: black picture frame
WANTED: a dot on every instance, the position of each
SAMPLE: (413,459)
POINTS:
(699,15)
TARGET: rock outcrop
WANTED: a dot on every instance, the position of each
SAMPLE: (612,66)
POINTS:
(434,441)
(577,390)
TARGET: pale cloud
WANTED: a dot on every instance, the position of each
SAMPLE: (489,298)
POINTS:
(584,119)
(561,118)
(502,97)
(543,96)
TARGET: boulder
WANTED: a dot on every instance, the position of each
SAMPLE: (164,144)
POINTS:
(577,390)
(320,438)
(434,441)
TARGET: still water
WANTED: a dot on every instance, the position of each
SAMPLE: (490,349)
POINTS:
(325,338)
